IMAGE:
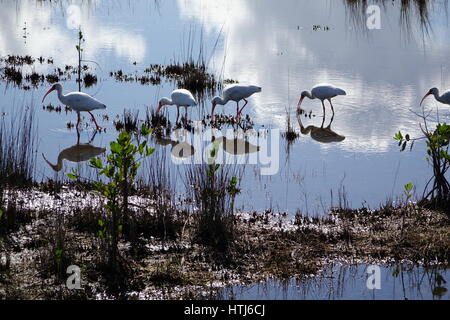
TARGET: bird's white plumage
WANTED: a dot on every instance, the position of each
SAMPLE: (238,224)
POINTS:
(77,101)
(322,92)
(326,91)
(238,92)
(179,98)
(235,93)
(82,102)
(183,98)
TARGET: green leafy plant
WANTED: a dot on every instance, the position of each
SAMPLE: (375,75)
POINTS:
(120,170)
(408,188)
(437,142)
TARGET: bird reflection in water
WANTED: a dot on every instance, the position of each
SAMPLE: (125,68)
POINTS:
(180,150)
(322,134)
(80,152)
(236,146)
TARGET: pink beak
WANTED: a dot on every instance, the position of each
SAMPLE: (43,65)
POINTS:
(159,108)
(300,101)
(425,97)
(48,92)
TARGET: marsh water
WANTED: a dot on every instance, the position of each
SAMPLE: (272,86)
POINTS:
(344,282)
(283,46)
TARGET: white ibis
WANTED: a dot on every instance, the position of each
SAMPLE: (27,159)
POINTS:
(445,98)
(77,101)
(322,92)
(235,93)
(179,98)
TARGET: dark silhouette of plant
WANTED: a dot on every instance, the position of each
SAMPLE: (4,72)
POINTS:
(120,169)
(438,188)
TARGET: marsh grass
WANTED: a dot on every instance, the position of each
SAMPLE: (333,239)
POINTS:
(209,187)
(158,122)
(409,10)
(160,186)
(17,145)
(129,122)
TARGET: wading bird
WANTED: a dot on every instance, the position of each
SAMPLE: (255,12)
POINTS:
(179,98)
(445,98)
(235,93)
(322,92)
(77,101)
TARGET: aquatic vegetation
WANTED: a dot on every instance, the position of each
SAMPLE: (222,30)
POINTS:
(17,145)
(129,122)
(142,79)
(438,188)
(89,80)
(120,169)
(290,134)
(158,122)
(409,9)
(20,60)
(244,123)
(214,188)
(191,75)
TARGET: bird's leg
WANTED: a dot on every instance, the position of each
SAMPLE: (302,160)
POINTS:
(332,117)
(240,111)
(78,136)
(323,106)
(93,137)
(78,121)
(331,104)
(237,109)
(93,118)
(323,122)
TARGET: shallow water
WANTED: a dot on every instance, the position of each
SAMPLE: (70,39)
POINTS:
(274,45)
(342,282)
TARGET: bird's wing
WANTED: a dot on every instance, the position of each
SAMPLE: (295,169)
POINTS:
(236,92)
(80,99)
(326,91)
(446,97)
(183,97)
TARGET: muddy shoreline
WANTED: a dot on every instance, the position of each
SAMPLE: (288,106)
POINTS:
(266,245)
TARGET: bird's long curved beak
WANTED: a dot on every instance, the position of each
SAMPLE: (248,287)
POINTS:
(159,108)
(212,110)
(300,101)
(53,166)
(424,98)
(48,92)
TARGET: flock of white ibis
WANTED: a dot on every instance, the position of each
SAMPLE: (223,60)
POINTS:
(82,102)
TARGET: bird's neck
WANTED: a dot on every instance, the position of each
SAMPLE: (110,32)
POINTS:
(437,96)
(61,97)
(308,94)
(223,100)
(55,167)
